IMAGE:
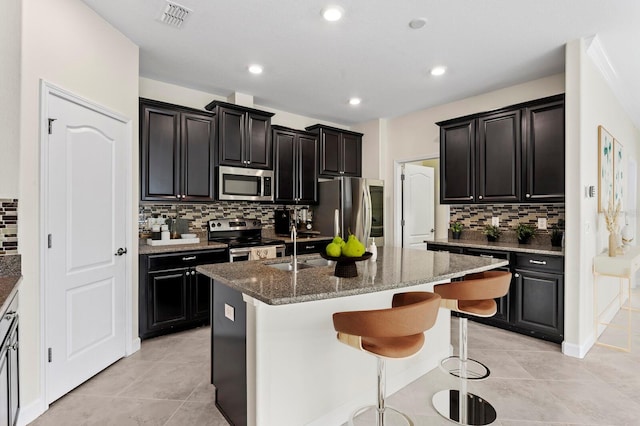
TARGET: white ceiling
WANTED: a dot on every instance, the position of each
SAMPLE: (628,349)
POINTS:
(312,67)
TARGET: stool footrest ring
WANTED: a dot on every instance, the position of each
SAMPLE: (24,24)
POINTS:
(374,409)
(473,370)
(464,408)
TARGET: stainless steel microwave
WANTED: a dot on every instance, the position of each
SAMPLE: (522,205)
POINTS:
(243,184)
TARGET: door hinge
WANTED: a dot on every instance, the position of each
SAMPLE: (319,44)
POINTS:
(402,222)
(402,176)
(51,120)
(49,241)
(49,354)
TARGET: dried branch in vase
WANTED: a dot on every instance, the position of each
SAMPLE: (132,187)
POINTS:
(611,217)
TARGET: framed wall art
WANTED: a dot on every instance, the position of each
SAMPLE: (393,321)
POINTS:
(618,173)
(605,168)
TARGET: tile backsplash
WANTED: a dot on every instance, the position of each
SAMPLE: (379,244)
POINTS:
(475,217)
(199,214)
(8,226)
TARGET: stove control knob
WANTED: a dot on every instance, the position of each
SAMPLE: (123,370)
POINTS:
(219,224)
(255,223)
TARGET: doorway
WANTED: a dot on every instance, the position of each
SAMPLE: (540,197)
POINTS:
(85,287)
(417,209)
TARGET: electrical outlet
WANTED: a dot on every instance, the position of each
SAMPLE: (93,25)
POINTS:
(542,223)
(495,221)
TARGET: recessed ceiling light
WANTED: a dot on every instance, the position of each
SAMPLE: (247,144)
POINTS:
(438,70)
(332,13)
(255,69)
(355,101)
(417,23)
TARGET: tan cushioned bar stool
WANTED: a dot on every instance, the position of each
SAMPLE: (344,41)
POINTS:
(473,296)
(396,332)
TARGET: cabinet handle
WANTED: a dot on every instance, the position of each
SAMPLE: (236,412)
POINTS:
(309,247)
(479,197)
(178,196)
(537,262)
(487,255)
(13,347)
(193,272)
(471,197)
(516,275)
(528,195)
(189,258)
(10,315)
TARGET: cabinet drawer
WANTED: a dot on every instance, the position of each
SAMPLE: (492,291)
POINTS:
(443,247)
(187,259)
(540,263)
(488,253)
(307,247)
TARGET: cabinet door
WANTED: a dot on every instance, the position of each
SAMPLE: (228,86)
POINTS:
(544,152)
(200,296)
(167,299)
(351,155)
(499,157)
(198,157)
(159,153)
(231,137)
(307,169)
(285,188)
(258,150)
(539,305)
(330,156)
(457,166)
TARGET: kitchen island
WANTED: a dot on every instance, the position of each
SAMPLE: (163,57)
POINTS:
(275,357)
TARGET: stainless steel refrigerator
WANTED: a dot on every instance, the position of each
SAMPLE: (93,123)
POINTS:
(351,205)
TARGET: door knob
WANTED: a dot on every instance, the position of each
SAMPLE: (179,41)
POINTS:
(121,251)
(433,230)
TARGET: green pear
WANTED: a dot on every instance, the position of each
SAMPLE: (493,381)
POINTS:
(333,250)
(353,247)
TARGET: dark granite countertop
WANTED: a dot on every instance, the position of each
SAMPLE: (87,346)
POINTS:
(503,245)
(10,277)
(202,245)
(395,268)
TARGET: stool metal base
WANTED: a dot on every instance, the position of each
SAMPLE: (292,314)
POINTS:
(390,417)
(471,410)
(469,369)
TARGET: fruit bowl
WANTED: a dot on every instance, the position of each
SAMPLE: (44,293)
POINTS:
(346,266)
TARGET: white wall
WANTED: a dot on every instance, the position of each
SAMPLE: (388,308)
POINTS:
(371,147)
(416,136)
(10,98)
(67,44)
(589,102)
(171,93)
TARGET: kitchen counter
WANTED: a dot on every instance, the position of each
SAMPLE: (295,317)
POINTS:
(395,268)
(144,248)
(275,356)
(10,277)
(504,246)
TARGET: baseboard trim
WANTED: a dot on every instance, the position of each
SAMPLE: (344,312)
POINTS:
(133,346)
(578,351)
(32,411)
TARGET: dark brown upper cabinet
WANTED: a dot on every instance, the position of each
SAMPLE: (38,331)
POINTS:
(340,151)
(177,153)
(244,136)
(296,166)
(544,152)
(512,155)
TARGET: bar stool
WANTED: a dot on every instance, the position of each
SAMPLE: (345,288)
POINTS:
(473,296)
(396,332)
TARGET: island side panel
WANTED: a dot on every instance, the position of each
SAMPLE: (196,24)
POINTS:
(299,372)
(228,352)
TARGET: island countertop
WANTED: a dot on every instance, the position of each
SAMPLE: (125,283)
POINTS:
(394,268)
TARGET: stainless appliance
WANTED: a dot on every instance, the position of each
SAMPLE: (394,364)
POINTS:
(241,235)
(282,221)
(351,205)
(243,184)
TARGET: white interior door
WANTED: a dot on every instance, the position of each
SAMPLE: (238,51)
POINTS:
(85,221)
(418,208)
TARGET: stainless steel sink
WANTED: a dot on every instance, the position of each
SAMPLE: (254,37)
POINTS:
(289,266)
(318,262)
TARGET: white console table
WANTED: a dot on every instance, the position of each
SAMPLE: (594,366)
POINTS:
(623,266)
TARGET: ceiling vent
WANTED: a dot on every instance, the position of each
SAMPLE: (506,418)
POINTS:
(174,15)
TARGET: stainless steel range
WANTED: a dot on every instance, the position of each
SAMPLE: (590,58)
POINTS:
(243,236)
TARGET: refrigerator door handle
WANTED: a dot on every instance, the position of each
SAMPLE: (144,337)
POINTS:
(368,215)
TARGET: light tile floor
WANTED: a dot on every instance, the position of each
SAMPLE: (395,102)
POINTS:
(531,384)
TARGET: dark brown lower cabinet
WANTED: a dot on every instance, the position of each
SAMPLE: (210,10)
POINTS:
(307,247)
(535,303)
(173,296)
